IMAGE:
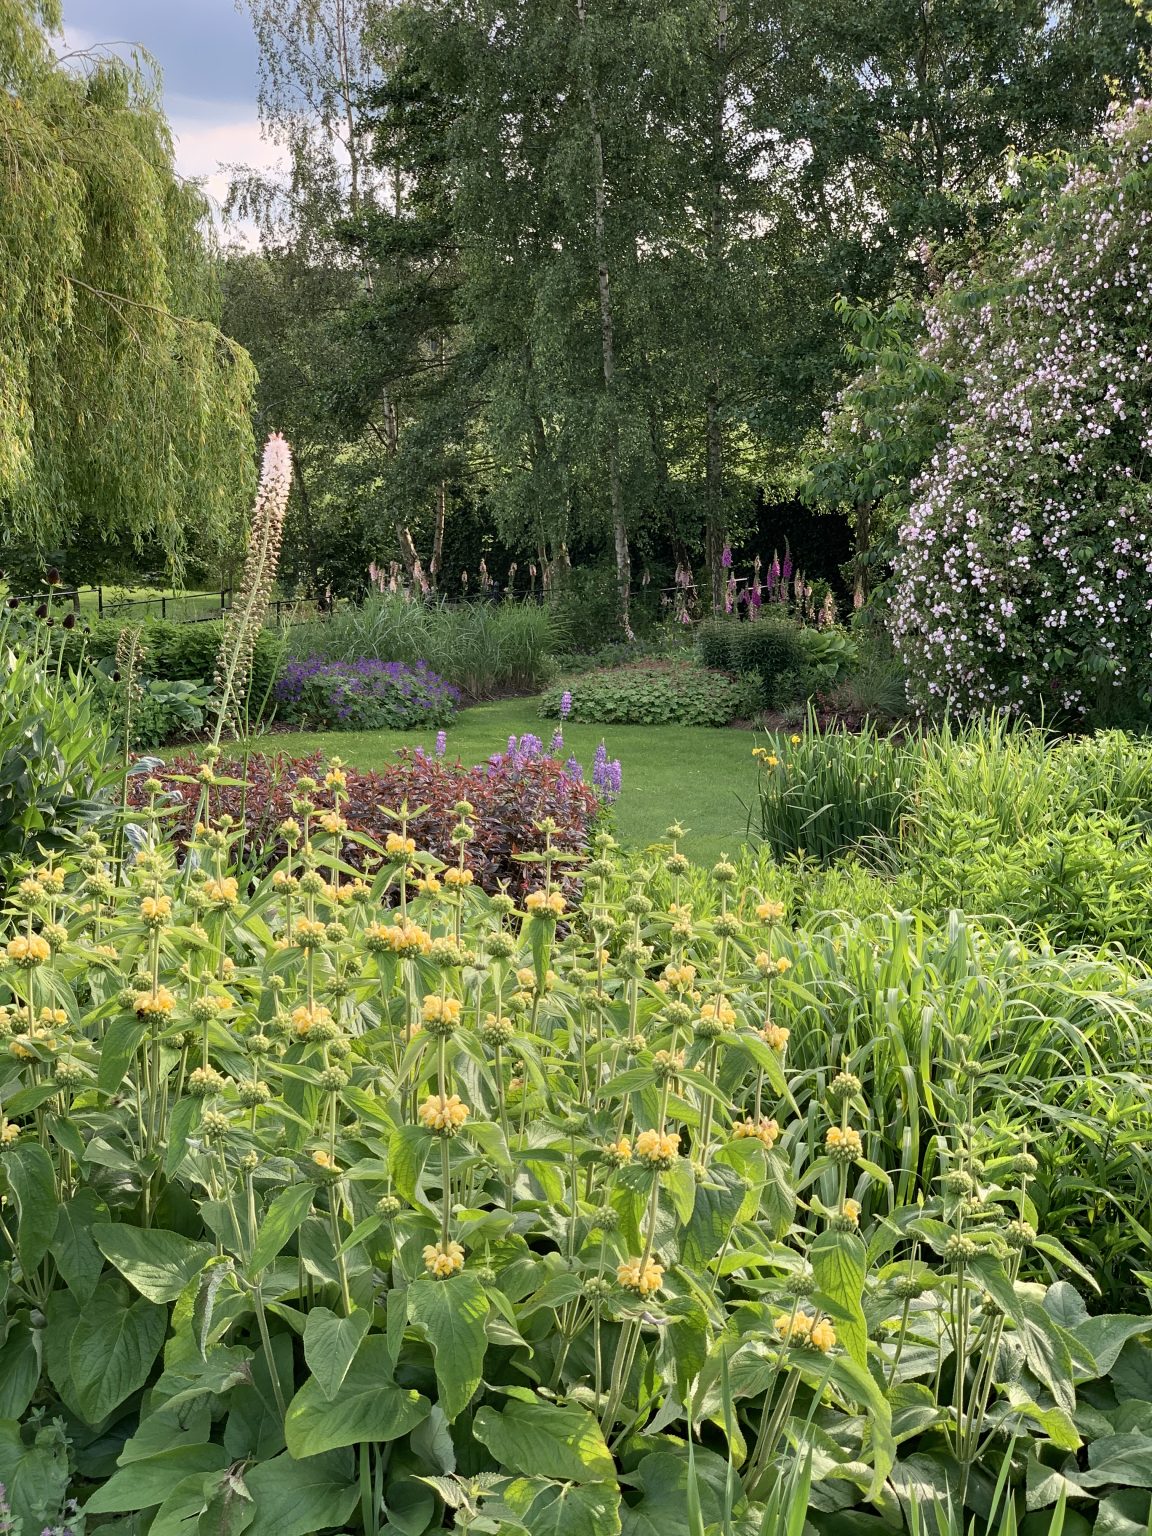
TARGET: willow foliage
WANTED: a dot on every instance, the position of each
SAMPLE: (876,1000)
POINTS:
(124,412)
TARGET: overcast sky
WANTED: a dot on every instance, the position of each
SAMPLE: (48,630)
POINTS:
(207,58)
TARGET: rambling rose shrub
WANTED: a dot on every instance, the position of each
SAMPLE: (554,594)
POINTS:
(1024,572)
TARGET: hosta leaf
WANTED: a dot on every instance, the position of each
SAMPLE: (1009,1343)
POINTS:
(452,1313)
(77,1257)
(580,1509)
(540,1439)
(142,1484)
(159,1264)
(369,1406)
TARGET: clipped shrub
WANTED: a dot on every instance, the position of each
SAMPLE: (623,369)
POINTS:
(653,693)
(364,695)
(177,652)
(510,796)
(790,660)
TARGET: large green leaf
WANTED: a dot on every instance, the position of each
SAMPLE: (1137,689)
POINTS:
(839,1264)
(280,1222)
(158,1263)
(19,1370)
(142,1484)
(112,1350)
(369,1406)
(32,1180)
(77,1257)
(298,1498)
(1105,1336)
(35,1477)
(540,1439)
(452,1313)
(408,1149)
(121,1041)
(565,1509)
(330,1345)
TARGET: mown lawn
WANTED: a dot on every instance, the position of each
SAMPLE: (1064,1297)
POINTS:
(703,778)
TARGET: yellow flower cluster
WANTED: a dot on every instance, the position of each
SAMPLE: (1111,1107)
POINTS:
(305,1019)
(154,1005)
(333,822)
(336,778)
(427,885)
(398,846)
(8,1133)
(719,1012)
(769,759)
(645,1278)
(680,976)
(766,965)
(844,1145)
(546,901)
(398,938)
(763,1130)
(657,1149)
(806,1332)
(29,949)
(776,1036)
(223,892)
(850,1210)
(155,910)
(770,911)
(325,1160)
(436,1008)
(442,1259)
(443,1116)
(457,878)
(618,1152)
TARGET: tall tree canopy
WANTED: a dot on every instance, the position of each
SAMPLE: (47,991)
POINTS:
(588,250)
(124,412)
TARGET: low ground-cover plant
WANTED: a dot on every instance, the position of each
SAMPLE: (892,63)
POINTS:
(652,693)
(482,648)
(371,1202)
(363,695)
(510,795)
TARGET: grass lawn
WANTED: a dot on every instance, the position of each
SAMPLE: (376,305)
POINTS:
(701,778)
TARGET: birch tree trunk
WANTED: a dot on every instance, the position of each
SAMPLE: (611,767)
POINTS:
(714,440)
(607,344)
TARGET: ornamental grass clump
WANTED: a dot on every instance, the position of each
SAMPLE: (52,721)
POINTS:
(607,1194)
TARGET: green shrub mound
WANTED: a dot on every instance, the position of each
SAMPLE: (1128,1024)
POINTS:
(790,661)
(654,693)
(176,652)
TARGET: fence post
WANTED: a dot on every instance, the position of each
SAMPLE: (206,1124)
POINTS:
(100,601)
(163,607)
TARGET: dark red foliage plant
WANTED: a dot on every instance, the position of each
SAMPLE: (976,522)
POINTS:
(509,799)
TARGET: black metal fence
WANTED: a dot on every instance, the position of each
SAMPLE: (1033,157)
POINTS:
(180,608)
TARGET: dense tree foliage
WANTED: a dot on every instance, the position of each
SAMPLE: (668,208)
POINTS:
(124,412)
(587,251)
